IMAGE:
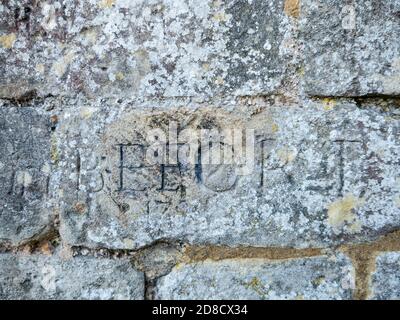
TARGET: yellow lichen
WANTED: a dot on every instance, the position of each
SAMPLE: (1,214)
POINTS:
(292,8)
(54,155)
(220,17)
(329,104)
(255,282)
(7,41)
(219,81)
(275,128)
(256,285)
(128,243)
(341,212)
(119,76)
(90,35)
(40,68)
(355,227)
(60,66)
(318,281)
(86,112)
(106,3)
(286,155)
(206,66)
(179,266)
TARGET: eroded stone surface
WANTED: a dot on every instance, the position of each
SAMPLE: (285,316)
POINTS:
(24,173)
(308,278)
(385,284)
(145,48)
(350,47)
(43,277)
(323,175)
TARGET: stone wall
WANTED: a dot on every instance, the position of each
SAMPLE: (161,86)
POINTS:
(95,95)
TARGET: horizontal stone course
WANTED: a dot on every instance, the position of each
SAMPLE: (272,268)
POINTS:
(258,279)
(145,48)
(199,48)
(50,277)
(324,174)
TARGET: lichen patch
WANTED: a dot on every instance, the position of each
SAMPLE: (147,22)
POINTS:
(106,4)
(329,104)
(341,212)
(286,155)
(7,41)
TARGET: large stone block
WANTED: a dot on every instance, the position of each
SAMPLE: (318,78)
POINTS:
(350,47)
(43,277)
(313,177)
(257,279)
(385,284)
(145,48)
(24,173)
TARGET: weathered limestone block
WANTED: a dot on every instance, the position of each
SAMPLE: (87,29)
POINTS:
(43,277)
(145,47)
(385,284)
(350,47)
(24,173)
(258,279)
(300,177)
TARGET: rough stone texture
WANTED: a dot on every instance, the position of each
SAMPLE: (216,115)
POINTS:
(142,47)
(321,177)
(255,279)
(42,277)
(349,47)
(84,87)
(25,169)
(386,278)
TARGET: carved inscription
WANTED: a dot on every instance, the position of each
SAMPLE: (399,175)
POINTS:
(217,178)
(325,175)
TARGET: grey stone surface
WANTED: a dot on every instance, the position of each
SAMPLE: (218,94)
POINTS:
(89,90)
(256,279)
(24,173)
(324,174)
(43,277)
(145,48)
(385,284)
(350,47)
